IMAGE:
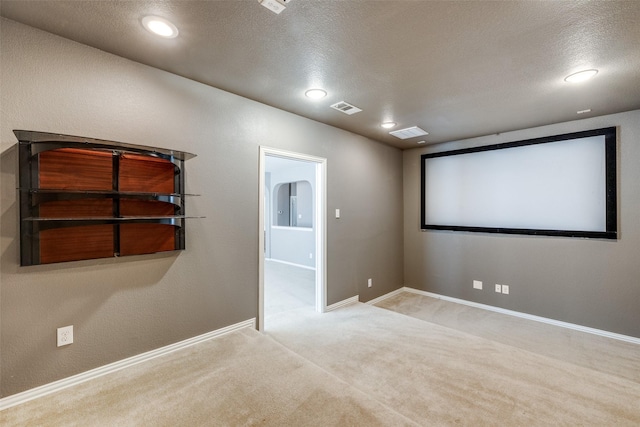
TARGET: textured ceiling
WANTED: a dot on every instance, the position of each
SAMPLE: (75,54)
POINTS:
(456,69)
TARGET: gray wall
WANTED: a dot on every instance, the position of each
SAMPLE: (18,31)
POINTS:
(594,283)
(122,307)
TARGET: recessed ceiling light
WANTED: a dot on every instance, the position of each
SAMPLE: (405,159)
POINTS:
(581,76)
(315,93)
(160,26)
(388,125)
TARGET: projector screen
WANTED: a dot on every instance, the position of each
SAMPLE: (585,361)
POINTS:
(563,185)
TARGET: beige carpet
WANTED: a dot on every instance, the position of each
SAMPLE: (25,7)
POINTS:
(437,375)
(591,351)
(287,287)
(240,379)
(356,366)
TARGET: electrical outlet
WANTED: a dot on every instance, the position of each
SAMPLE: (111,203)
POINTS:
(505,289)
(477,284)
(310,255)
(499,289)
(65,335)
(369,283)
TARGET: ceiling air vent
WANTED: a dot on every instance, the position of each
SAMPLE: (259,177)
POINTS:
(346,108)
(409,132)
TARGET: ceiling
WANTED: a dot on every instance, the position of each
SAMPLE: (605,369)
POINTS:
(455,69)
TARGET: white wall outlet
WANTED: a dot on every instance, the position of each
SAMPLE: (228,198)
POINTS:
(310,255)
(499,289)
(337,213)
(65,335)
(369,283)
(505,289)
(477,284)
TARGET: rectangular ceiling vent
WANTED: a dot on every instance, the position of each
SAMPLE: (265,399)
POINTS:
(346,108)
(407,133)
(273,5)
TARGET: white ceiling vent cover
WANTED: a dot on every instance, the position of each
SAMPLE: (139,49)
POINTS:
(346,108)
(409,132)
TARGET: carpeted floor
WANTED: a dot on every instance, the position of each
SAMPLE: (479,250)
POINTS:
(365,366)
(287,287)
(437,375)
(602,354)
(240,379)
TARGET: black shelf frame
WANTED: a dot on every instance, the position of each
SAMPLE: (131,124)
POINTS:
(32,143)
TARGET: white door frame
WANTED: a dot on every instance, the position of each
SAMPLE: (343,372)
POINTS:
(320,226)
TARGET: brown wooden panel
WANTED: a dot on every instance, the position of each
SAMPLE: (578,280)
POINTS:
(136,239)
(131,207)
(76,243)
(146,174)
(79,169)
(82,208)
(76,169)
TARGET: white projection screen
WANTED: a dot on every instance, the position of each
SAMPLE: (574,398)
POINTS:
(563,185)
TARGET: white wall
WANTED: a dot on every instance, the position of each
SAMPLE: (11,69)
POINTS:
(295,245)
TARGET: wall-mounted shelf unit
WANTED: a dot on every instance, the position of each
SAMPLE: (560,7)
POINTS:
(84,198)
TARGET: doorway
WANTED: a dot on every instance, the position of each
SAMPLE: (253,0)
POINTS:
(296,207)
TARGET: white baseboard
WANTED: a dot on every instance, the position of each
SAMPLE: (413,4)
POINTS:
(290,263)
(56,386)
(386,296)
(342,303)
(594,331)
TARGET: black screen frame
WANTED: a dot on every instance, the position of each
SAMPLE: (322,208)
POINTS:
(611,202)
